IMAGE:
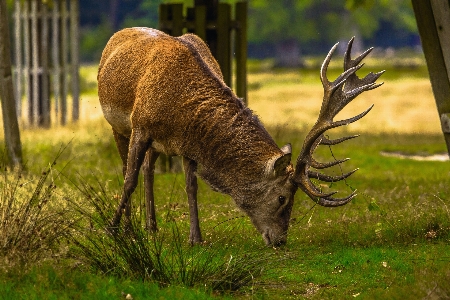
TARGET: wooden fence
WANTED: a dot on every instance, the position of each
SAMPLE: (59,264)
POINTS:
(46,59)
(213,22)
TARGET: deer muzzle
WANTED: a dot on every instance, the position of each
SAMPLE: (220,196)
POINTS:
(275,240)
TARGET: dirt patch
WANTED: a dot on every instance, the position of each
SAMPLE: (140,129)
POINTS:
(433,157)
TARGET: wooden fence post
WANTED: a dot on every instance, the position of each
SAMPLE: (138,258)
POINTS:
(224,41)
(18,58)
(200,21)
(56,15)
(75,77)
(171,18)
(34,101)
(433,22)
(27,57)
(44,95)
(241,50)
(64,60)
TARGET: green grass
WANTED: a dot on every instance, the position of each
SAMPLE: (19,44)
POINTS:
(392,241)
(50,282)
(392,238)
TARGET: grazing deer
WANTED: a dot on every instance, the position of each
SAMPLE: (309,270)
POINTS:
(164,94)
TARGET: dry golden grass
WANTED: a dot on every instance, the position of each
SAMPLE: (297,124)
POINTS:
(403,106)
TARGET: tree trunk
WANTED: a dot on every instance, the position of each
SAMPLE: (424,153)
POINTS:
(10,124)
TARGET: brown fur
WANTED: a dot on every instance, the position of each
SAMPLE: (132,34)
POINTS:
(167,95)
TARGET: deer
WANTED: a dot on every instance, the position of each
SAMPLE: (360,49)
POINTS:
(164,94)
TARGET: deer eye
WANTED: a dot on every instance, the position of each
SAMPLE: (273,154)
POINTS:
(281,199)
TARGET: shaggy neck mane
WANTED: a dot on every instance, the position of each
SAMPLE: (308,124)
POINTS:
(230,143)
(233,146)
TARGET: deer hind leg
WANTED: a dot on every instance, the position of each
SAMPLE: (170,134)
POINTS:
(149,175)
(190,167)
(123,144)
(138,146)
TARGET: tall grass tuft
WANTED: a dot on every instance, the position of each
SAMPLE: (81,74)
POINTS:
(32,222)
(164,257)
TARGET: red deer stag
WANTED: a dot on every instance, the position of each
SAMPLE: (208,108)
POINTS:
(164,94)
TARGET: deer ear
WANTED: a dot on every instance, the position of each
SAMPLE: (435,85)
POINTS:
(281,163)
(277,165)
(287,149)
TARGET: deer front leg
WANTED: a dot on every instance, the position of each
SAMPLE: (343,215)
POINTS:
(149,176)
(190,167)
(139,143)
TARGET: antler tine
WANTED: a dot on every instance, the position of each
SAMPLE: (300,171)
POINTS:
(329,142)
(337,95)
(326,62)
(353,81)
(348,62)
(326,200)
(311,190)
(350,120)
(334,202)
(329,178)
(319,165)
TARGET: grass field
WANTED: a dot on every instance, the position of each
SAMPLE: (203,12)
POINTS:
(392,241)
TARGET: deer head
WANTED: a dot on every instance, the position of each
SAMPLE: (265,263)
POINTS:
(273,214)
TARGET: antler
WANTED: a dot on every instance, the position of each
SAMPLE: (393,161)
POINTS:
(337,95)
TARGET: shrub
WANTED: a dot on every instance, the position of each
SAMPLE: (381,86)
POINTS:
(32,222)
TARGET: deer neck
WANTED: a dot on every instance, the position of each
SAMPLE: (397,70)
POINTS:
(231,145)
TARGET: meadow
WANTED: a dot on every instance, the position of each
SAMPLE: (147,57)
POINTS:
(392,241)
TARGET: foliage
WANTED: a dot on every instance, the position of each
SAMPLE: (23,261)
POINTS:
(324,20)
(93,40)
(313,24)
(31,224)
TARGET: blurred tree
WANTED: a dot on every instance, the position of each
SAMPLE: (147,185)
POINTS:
(145,15)
(10,124)
(99,20)
(93,13)
(291,23)
(289,27)
(284,23)
(370,15)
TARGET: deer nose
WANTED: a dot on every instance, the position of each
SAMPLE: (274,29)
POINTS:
(275,241)
(279,243)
